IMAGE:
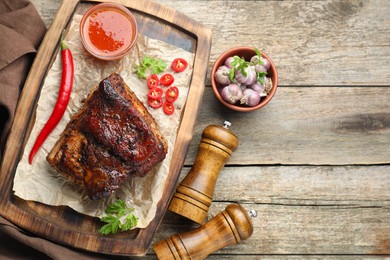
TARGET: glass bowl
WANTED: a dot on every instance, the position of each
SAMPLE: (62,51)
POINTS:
(108,31)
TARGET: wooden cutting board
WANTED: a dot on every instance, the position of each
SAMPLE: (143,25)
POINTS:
(62,224)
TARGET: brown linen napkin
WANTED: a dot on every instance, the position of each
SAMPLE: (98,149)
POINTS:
(21,32)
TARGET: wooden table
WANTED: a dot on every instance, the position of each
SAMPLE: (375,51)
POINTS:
(315,162)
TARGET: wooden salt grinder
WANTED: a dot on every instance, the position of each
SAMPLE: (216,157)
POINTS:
(227,228)
(194,195)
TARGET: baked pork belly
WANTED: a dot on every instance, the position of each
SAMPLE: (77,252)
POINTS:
(111,138)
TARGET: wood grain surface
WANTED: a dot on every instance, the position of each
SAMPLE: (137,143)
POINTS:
(315,162)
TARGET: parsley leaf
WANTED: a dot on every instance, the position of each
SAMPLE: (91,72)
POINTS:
(159,66)
(114,220)
(116,206)
(153,65)
(112,225)
(261,78)
(130,222)
(259,60)
(238,64)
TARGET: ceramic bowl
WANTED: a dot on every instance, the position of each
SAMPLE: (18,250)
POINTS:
(108,31)
(245,52)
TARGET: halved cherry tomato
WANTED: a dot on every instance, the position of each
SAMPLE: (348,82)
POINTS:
(179,64)
(166,79)
(172,94)
(152,81)
(155,102)
(168,108)
(155,93)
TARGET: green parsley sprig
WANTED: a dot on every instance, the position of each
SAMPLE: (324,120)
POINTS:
(240,64)
(260,75)
(151,65)
(119,218)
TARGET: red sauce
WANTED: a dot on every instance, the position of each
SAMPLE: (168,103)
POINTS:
(109,31)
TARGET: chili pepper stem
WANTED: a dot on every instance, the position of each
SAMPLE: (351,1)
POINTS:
(62,42)
(63,46)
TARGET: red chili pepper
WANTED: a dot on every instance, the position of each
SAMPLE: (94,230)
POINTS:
(179,64)
(168,108)
(62,100)
(167,79)
(155,102)
(155,93)
(152,81)
(172,94)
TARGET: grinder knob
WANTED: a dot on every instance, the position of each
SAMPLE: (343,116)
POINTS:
(194,195)
(229,227)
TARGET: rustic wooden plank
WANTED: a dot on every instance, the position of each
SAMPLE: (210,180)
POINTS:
(278,257)
(47,10)
(351,186)
(295,257)
(299,126)
(301,229)
(303,209)
(312,42)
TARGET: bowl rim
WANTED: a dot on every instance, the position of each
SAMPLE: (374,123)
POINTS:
(125,11)
(231,52)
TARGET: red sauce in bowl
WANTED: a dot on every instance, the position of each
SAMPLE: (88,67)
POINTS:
(108,31)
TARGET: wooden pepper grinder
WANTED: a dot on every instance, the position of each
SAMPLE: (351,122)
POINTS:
(229,227)
(194,195)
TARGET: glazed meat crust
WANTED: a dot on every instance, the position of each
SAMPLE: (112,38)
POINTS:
(111,138)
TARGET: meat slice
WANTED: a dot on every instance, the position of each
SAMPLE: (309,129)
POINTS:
(111,138)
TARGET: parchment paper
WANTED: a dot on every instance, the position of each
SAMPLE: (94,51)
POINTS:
(39,182)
